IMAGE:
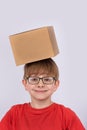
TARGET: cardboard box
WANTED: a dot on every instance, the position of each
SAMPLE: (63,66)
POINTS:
(34,45)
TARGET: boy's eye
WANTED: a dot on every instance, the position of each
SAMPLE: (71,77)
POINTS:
(49,79)
(33,79)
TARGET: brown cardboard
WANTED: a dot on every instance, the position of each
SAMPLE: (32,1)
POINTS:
(34,45)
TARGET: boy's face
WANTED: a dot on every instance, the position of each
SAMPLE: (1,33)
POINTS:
(41,88)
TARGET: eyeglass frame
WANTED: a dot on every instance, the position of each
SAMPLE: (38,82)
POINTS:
(27,78)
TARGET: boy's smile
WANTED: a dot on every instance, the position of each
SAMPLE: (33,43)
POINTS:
(40,91)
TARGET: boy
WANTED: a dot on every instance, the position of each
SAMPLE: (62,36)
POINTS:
(41,80)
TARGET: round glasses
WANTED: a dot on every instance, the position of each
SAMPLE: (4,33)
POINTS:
(46,80)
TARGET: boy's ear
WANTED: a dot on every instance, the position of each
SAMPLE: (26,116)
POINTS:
(57,84)
(24,82)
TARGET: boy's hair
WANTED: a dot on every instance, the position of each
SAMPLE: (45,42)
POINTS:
(46,66)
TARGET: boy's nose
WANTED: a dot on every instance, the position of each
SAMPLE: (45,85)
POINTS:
(40,84)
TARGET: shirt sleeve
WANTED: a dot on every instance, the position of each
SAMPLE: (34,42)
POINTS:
(8,120)
(72,121)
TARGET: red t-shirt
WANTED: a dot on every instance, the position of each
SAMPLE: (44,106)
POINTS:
(54,117)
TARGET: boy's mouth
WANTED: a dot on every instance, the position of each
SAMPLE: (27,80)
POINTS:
(40,91)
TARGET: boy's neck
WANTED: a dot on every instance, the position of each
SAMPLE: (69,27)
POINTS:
(40,104)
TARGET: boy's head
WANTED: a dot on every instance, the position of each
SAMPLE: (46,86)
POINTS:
(46,66)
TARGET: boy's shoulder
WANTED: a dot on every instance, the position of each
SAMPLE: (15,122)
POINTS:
(63,107)
(20,105)
(65,110)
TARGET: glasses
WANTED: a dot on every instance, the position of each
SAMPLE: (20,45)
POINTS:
(46,80)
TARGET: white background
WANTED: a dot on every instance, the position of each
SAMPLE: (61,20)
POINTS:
(69,18)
